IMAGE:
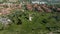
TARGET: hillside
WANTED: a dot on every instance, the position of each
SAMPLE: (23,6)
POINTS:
(18,18)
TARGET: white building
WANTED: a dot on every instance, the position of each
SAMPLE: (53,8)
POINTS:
(12,0)
(39,2)
(35,2)
(43,2)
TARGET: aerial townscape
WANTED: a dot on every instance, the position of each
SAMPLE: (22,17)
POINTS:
(29,16)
